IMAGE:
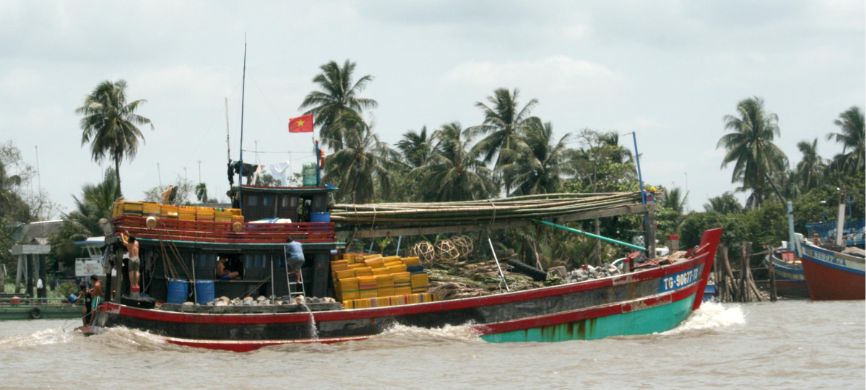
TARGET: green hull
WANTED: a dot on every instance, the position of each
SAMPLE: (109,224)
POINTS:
(646,321)
(25,312)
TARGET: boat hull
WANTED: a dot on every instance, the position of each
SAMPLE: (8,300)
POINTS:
(790,281)
(832,275)
(646,301)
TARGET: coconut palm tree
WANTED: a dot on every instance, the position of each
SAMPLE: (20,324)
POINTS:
(811,168)
(363,164)
(851,136)
(201,192)
(110,124)
(455,172)
(504,124)
(337,97)
(723,204)
(676,200)
(540,162)
(750,147)
(416,147)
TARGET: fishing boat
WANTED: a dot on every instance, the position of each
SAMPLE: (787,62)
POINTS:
(790,282)
(179,247)
(834,270)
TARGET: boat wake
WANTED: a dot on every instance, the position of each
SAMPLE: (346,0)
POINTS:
(133,339)
(412,334)
(711,316)
(42,337)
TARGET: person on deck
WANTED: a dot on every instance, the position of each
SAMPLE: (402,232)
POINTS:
(134,262)
(85,297)
(224,273)
(96,295)
(294,255)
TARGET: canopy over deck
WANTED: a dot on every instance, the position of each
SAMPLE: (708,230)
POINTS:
(403,219)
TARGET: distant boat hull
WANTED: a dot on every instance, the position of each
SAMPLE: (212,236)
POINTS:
(832,275)
(790,281)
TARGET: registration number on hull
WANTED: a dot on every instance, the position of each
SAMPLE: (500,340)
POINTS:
(680,280)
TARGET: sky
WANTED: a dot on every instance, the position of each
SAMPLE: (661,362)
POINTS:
(668,70)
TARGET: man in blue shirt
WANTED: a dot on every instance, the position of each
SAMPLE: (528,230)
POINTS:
(294,254)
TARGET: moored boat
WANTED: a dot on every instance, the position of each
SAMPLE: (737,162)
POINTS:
(788,267)
(833,273)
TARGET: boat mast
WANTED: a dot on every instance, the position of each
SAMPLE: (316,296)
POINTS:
(228,146)
(243,89)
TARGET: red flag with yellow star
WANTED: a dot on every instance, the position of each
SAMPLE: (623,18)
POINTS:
(301,124)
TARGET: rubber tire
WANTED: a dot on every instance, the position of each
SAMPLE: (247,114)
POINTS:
(35,313)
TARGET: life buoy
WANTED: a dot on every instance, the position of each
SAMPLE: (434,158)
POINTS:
(35,313)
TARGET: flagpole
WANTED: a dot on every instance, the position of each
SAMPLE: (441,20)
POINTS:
(243,90)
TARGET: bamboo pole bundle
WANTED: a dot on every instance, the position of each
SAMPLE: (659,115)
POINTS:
(520,207)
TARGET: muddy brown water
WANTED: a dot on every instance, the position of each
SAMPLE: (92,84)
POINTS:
(789,344)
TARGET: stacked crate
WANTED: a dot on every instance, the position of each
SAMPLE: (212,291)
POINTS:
(204,214)
(150,208)
(222,215)
(364,281)
(186,213)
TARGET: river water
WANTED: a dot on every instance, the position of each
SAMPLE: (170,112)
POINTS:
(788,344)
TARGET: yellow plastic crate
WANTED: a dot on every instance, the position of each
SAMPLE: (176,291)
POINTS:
(150,208)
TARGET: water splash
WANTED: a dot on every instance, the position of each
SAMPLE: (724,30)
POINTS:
(314,334)
(464,333)
(711,316)
(42,337)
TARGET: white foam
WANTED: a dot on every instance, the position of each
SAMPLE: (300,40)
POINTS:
(448,332)
(42,337)
(712,316)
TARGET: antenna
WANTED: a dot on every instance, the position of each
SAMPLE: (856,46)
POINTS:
(38,171)
(228,147)
(243,90)
(159,176)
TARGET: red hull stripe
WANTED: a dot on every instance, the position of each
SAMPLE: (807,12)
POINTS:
(394,311)
(583,314)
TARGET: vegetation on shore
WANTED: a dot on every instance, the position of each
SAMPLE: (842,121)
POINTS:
(508,151)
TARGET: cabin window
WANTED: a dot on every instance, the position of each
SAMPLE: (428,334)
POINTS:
(266,200)
(252,200)
(284,201)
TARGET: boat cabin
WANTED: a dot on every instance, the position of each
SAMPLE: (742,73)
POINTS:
(199,253)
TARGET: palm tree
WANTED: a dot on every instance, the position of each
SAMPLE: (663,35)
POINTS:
(540,162)
(416,147)
(504,124)
(110,124)
(95,203)
(363,163)
(201,192)
(455,172)
(12,207)
(676,200)
(851,136)
(723,204)
(811,168)
(750,147)
(337,97)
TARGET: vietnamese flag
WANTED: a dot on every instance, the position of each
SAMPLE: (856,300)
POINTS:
(301,124)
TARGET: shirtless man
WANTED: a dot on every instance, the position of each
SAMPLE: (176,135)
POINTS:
(134,262)
(96,294)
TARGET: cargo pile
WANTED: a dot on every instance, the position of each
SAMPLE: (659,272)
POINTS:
(181,213)
(365,280)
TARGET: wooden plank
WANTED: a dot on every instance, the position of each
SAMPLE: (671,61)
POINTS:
(396,231)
